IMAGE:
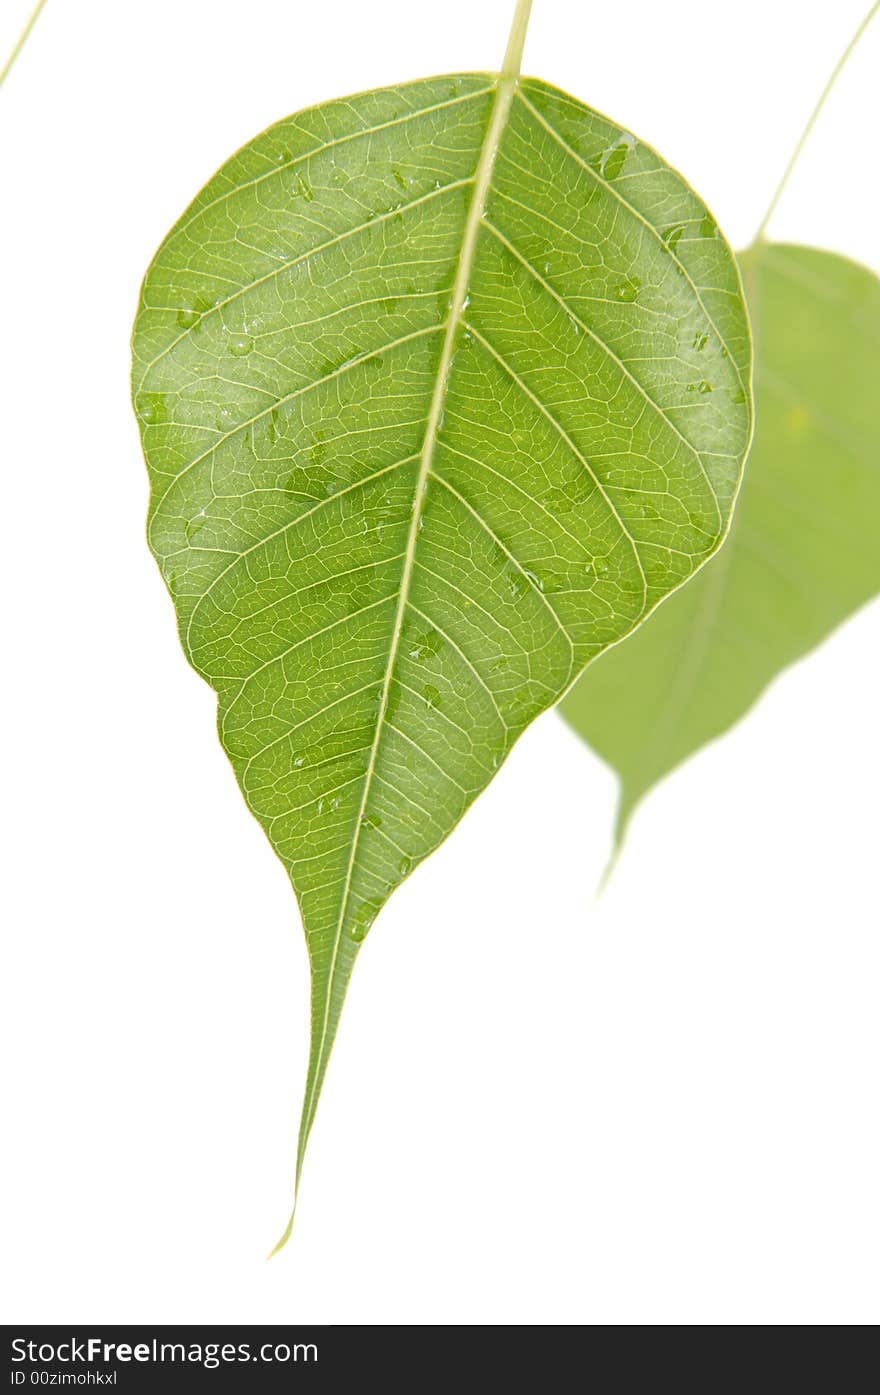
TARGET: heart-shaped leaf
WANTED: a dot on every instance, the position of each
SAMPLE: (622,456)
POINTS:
(441,389)
(802,553)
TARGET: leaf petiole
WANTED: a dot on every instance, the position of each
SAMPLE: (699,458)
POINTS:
(516,41)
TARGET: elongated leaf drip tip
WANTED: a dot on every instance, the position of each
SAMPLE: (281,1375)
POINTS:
(279,1245)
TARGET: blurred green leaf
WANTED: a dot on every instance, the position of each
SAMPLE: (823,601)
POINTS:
(803,551)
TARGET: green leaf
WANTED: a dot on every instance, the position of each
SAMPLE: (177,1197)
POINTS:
(441,389)
(802,553)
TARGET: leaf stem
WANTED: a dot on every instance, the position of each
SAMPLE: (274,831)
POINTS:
(805,134)
(21,41)
(514,51)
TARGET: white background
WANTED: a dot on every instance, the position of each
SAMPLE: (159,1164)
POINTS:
(662,1110)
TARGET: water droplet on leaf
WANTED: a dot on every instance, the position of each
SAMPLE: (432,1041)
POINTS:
(628,289)
(426,646)
(672,235)
(151,408)
(362,920)
(614,159)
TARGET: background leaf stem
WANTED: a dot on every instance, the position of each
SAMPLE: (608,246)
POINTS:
(21,41)
(814,116)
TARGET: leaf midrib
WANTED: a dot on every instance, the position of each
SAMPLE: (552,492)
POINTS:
(505,87)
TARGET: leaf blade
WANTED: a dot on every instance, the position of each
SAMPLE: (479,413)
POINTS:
(378,372)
